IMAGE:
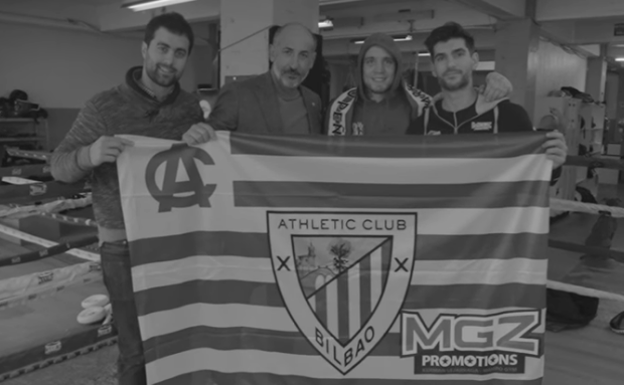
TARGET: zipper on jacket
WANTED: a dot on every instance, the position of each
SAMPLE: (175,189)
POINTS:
(435,110)
(456,126)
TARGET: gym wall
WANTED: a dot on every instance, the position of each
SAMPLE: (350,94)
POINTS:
(558,68)
(62,69)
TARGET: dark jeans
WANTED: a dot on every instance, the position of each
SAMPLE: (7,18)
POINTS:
(116,269)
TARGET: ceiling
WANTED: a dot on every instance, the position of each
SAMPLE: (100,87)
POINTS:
(587,26)
(573,22)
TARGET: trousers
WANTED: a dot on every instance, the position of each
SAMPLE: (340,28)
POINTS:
(117,273)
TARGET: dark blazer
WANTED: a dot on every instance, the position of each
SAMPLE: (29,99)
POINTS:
(251,106)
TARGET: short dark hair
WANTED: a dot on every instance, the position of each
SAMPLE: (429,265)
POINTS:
(448,31)
(174,23)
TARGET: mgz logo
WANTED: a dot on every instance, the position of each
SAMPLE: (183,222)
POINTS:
(471,344)
(176,194)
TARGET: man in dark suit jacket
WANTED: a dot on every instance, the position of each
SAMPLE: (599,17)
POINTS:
(274,102)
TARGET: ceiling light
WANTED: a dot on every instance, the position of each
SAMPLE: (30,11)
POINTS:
(325,24)
(406,38)
(619,59)
(143,5)
(395,38)
(423,54)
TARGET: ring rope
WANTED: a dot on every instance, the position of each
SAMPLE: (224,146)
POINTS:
(93,257)
(581,290)
(582,207)
(593,162)
(48,252)
(51,207)
(38,155)
(18,180)
(70,220)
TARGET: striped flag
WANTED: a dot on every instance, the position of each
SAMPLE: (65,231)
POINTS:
(310,260)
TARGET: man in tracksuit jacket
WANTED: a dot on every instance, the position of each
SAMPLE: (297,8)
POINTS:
(383,103)
(461,110)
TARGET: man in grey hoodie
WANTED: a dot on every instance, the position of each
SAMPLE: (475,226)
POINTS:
(149,102)
(383,103)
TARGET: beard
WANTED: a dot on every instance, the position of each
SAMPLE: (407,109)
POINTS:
(159,78)
(463,82)
(290,77)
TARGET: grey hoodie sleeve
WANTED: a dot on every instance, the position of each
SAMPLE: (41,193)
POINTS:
(70,161)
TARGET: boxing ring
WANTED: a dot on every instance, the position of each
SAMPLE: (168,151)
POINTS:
(43,281)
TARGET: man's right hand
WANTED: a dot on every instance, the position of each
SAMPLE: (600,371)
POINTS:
(106,149)
(199,133)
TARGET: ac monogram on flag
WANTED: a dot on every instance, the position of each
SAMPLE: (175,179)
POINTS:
(309,260)
(169,195)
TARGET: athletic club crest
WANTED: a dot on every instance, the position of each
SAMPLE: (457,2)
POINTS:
(343,277)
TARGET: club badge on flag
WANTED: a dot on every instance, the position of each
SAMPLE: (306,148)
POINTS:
(309,260)
(345,299)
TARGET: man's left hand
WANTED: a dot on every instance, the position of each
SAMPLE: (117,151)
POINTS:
(496,87)
(199,133)
(556,148)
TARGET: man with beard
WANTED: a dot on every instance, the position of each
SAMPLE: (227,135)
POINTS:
(383,103)
(462,110)
(149,103)
(274,102)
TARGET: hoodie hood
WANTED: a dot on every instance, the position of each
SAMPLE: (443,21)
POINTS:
(386,42)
